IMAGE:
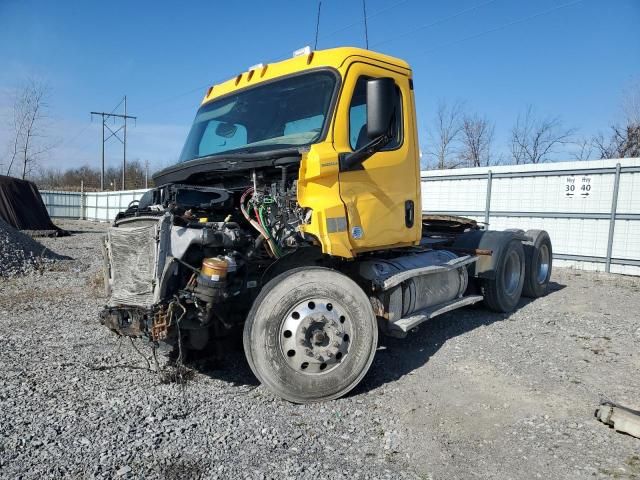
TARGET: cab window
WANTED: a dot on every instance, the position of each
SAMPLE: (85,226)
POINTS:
(358,118)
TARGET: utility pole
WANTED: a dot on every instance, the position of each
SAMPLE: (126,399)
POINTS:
(115,133)
(124,146)
(146,174)
(102,170)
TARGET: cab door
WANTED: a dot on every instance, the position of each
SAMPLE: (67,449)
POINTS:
(382,196)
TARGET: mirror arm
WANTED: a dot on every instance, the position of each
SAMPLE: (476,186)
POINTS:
(352,161)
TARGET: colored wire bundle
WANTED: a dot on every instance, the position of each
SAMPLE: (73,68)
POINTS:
(259,224)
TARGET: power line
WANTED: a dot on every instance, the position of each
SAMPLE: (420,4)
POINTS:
(433,24)
(116,107)
(67,143)
(275,58)
(367,17)
(180,95)
(503,26)
(202,87)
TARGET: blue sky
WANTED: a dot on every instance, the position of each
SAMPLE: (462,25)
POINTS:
(498,56)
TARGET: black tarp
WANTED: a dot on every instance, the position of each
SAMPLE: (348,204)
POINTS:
(21,206)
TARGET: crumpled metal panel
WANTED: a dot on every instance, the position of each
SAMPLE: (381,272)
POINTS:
(622,419)
(132,254)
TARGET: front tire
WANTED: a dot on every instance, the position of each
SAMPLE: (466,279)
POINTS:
(311,335)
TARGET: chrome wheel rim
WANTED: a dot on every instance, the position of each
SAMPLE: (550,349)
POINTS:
(543,264)
(511,275)
(315,336)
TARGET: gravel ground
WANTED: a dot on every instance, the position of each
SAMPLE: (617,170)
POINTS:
(470,395)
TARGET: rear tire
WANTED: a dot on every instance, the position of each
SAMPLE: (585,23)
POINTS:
(502,293)
(311,335)
(538,263)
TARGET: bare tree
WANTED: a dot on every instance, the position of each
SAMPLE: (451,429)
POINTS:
(534,140)
(28,135)
(477,136)
(631,103)
(71,178)
(623,140)
(611,146)
(584,149)
(445,136)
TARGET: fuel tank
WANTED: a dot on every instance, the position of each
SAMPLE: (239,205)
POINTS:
(444,282)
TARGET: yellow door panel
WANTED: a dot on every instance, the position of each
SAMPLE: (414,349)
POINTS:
(376,197)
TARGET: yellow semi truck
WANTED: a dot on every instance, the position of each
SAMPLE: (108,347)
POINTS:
(294,213)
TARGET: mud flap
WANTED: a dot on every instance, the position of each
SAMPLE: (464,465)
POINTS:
(495,241)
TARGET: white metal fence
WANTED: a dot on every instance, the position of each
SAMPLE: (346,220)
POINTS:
(590,209)
(96,206)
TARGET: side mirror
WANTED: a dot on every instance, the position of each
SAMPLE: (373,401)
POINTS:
(381,100)
(381,94)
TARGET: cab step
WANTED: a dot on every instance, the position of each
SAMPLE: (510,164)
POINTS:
(404,325)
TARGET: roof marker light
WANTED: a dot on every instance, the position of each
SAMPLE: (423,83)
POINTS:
(256,66)
(302,51)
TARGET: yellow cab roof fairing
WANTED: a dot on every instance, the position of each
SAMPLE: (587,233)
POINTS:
(334,57)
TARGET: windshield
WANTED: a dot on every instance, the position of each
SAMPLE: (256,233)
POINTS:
(285,113)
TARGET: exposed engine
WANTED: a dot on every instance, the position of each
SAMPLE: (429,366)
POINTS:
(193,257)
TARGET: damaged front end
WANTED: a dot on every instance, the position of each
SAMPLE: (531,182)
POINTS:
(153,287)
(183,265)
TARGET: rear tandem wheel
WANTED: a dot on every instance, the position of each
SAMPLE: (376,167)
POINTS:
(539,259)
(502,292)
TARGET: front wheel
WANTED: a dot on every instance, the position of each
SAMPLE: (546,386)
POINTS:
(311,335)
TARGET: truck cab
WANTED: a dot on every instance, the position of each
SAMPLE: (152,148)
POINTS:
(366,207)
(294,213)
